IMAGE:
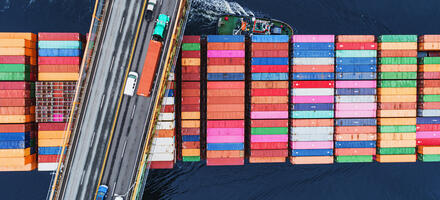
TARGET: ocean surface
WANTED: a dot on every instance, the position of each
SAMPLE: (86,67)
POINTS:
(256,181)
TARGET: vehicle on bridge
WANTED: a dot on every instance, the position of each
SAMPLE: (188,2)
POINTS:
(102,192)
(130,86)
(150,8)
(159,29)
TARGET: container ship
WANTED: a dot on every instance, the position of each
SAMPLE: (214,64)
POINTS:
(250,25)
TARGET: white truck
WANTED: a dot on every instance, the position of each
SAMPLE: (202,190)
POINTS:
(150,8)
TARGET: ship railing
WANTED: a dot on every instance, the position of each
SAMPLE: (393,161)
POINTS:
(69,131)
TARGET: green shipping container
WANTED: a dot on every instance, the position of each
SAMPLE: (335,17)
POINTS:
(270,131)
(190,158)
(398,61)
(312,114)
(397,83)
(398,75)
(352,159)
(429,157)
(430,60)
(396,151)
(14,68)
(397,38)
(356,53)
(59,44)
(398,129)
(191,47)
(15,76)
(430,98)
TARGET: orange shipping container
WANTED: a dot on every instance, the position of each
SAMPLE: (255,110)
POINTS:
(191,61)
(225,92)
(429,38)
(311,122)
(397,45)
(27,167)
(396,143)
(396,121)
(431,46)
(17,118)
(397,113)
(225,115)
(6,153)
(17,110)
(270,84)
(190,92)
(396,158)
(226,46)
(17,35)
(354,151)
(355,137)
(397,91)
(17,161)
(355,129)
(225,154)
(58,68)
(225,107)
(429,68)
(50,142)
(312,160)
(50,134)
(269,99)
(267,159)
(225,69)
(396,136)
(270,46)
(58,76)
(355,38)
(190,115)
(17,43)
(397,68)
(397,98)
(398,53)
(149,68)
(14,128)
(190,145)
(190,123)
(165,133)
(429,90)
(18,52)
(225,100)
(428,149)
(190,152)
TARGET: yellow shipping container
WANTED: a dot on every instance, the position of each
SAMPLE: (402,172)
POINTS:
(27,167)
(190,152)
(397,46)
(17,35)
(191,61)
(18,52)
(396,121)
(269,99)
(50,134)
(190,123)
(17,43)
(50,142)
(429,68)
(397,91)
(190,115)
(396,143)
(396,113)
(225,68)
(397,68)
(396,158)
(430,90)
(311,160)
(428,149)
(14,152)
(267,159)
(58,76)
(397,98)
(430,46)
(396,136)
(14,119)
(270,84)
(18,161)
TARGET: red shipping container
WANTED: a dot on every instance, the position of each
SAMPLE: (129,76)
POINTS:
(16,102)
(225,124)
(19,85)
(269,92)
(16,128)
(52,126)
(354,151)
(313,84)
(168,109)
(428,83)
(226,61)
(428,127)
(59,68)
(429,75)
(225,115)
(270,53)
(269,123)
(190,107)
(190,145)
(228,92)
(190,54)
(11,94)
(190,69)
(59,36)
(190,131)
(224,161)
(434,54)
(15,60)
(270,45)
(397,53)
(428,141)
(190,76)
(48,158)
(397,106)
(191,39)
(269,153)
(269,107)
(269,145)
(190,85)
(162,165)
(269,68)
(429,105)
(225,85)
(225,100)
(356,46)
(313,68)
(190,100)
(226,46)
(59,60)
(190,92)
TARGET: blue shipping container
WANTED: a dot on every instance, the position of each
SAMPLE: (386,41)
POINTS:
(10,144)
(312,106)
(356,76)
(49,150)
(270,61)
(312,152)
(225,38)
(356,122)
(313,46)
(225,76)
(59,52)
(355,91)
(270,38)
(15,136)
(190,138)
(270,76)
(356,68)
(428,120)
(313,76)
(224,146)
(59,45)
(355,144)
(169,93)
(360,61)
(314,54)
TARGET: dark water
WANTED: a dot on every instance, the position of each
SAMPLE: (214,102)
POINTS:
(256,181)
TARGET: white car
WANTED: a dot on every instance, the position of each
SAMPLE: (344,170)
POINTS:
(150,9)
(130,85)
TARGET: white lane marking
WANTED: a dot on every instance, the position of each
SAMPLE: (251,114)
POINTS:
(123,149)
(82,177)
(102,101)
(111,65)
(93,138)
(113,189)
(132,113)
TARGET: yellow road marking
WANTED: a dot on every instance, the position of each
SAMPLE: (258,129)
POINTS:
(121,96)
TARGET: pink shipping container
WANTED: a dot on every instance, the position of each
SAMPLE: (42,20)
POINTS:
(312,99)
(59,60)
(59,36)
(51,126)
(356,106)
(269,138)
(311,145)
(225,124)
(19,85)
(270,115)
(225,139)
(269,68)
(225,131)
(428,134)
(15,60)
(354,114)
(313,38)
(356,84)
(226,53)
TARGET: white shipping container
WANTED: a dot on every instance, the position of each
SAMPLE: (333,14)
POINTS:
(47,166)
(429,113)
(309,138)
(166,117)
(356,99)
(168,101)
(162,148)
(165,125)
(171,77)
(163,141)
(324,130)
(161,157)
(313,61)
(313,92)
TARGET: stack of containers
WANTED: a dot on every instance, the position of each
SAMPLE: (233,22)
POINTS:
(17,108)
(50,141)
(162,150)
(428,120)
(355,109)
(190,100)
(312,99)
(225,99)
(269,98)
(397,98)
